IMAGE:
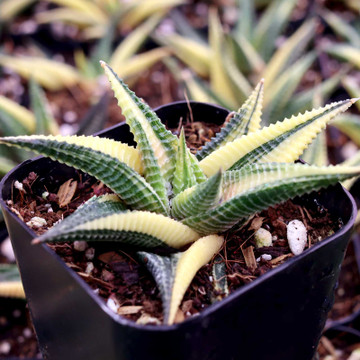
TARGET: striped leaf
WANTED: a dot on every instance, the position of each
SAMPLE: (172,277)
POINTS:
(345,52)
(18,112)
(45,123)
(174,274)
(199,174)
(10,126)
(163,269)
(184,176)
(115,164)
(281,142)
(193,53)
(10,282)
(198,255)
(349,124)
(136,228)
(289,50)
(156,144)
(245,121)
(352,86)
(197,199)
(256,187)
(316,153)
(221,288)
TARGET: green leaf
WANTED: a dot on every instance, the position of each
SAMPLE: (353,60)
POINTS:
(255,187)
(45,123)
(184,176)
(10,282)
(221,288)
(342,28)
(156,144)
(246,120)
(316,153)
(281,142)
(349,124)
(109,161)
(10,126)
(136,228)
(345,52)
(246,19)
(197,199)
(6,165)
(290,50)
(270,26)
(174,274)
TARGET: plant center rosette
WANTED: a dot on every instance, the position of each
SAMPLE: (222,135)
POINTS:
(176,209)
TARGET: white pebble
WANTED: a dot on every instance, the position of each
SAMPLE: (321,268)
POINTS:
(36,221)
(18,185)
(7,250)
(80,245)
(263,238)
(297,236)
(112,305)
(90,253)
(50,210)
(44,195)
(89,267)
(266,257)
(5,347)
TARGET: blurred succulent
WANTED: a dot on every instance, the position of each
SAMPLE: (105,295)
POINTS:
(10,282)
(93,16)
(54,75)
(233,62)
(166,197)
(10,8)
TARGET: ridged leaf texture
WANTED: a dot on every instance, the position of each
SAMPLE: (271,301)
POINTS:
(256,187)
(156,144)
(245,121)
(137,228)
(10,282)
(117,165)
(281,142)
(184,176)
(174,274)
(197,199)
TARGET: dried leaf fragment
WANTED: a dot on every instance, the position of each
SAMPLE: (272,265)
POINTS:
(66,192)
(249,256)
(128,310)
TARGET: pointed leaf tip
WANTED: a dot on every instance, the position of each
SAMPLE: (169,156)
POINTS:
(354,100)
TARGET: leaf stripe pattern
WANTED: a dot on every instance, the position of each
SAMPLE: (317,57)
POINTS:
(137,228)
(156,144)
(197,199)
(247,119)
(258,186)
(284,141)
(96,156)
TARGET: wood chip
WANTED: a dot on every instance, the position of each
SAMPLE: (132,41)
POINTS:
(129,310)
(66,192)
(249,257)
(256,223)
(281,258)
(179,317)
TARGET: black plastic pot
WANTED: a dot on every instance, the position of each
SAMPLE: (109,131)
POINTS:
(278,316)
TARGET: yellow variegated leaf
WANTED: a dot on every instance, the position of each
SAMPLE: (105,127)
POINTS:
(349,124)
(131,44)
(281,142)
(12,289)
(316,153)
(50,74)
(65,15)
(20,113)
(352,86)
(10,8)
(193,53)
(139,63)
(198,255)
(289,50)
(345,52)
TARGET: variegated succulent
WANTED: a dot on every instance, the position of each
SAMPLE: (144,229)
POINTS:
(166,197)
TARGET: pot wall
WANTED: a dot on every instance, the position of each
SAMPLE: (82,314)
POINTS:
(279,316)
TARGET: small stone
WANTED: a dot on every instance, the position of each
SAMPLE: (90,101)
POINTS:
(18,185)
(50,210)
(36,222)
(90,253)
(263,238)
(147,319)
(5,347)
(112,305)
(266,257)
(89,267)
(297,236)
(44,195)
(80,245)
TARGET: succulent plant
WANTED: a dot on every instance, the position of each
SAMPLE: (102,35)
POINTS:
(226,66)
(166,197)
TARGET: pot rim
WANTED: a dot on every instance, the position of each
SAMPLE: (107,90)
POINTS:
(213,307)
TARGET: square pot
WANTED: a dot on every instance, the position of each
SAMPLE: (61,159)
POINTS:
(278,316)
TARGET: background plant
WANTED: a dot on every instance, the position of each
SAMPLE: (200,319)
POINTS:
(241,171)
